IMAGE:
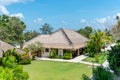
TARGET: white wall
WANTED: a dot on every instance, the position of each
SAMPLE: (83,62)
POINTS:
(60,52)
(45,54)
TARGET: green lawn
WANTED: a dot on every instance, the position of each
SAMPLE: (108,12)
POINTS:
(49,70)
(97,59)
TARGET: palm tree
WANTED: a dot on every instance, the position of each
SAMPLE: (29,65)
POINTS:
(46,29)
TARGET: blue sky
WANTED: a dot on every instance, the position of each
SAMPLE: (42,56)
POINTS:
(70,14)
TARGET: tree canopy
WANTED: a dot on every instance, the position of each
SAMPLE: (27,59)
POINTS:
(11,29)
(115,30)
(86,31)
(46,29)
(30,34)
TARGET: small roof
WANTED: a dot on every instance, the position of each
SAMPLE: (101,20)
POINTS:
(5,46)
(62,39)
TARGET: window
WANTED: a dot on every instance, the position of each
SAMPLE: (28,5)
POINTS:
(46,50)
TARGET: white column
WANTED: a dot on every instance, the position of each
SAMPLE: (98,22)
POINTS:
(78,51)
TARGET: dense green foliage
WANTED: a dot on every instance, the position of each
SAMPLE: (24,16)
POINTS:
(53,53)
(86,31)
(96,41)
(25,59)
(46,29)
(67,55)
(100,73)
(11,29)
(10,70)
(85,77)
(99,58)
(34,48)
(114,58)
(12,53)
(28,35)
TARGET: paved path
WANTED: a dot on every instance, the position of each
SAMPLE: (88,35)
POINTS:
(74,60)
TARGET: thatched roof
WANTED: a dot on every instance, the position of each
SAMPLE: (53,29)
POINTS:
(62,38)
(5,46)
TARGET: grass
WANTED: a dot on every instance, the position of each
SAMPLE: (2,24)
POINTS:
(98,58)
(49,70)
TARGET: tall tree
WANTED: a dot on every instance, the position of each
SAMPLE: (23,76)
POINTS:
(11,29)
(30,34)
(46,29)
(86,31)
(115,30)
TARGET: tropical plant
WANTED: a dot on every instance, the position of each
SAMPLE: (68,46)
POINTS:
(12,52)
(67,55)
(53,53)
(10,70)
(101,73)
(46,29)
(11,29)
(86,31)
(96,41)
(114,58)
(33,48)
(30,34)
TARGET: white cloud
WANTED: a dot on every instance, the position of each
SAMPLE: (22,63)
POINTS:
(101,20)
(8,2)
(83,21)
(4,3)
(19,15)
(3,10)
(38,20)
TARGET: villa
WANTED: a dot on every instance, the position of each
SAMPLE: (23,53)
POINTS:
(62,39)
(5,46)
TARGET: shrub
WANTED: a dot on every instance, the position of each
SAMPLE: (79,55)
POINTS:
(25,59)
(100,73)
(12,53)
(114,58)
(53,53)
(67,55)
(85,77)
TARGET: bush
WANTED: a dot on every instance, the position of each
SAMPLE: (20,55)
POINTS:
(85,77)
(67,55)
(100,73)
(114,58)
(53,53)
(25,59)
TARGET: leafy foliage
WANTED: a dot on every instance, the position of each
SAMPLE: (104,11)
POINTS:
(10,70)
(12,53)
(85,77)
(53,53)
(30,34)
(114,58)
(11,29)
(25,59)
(33,48)
(100,73)
(67,55)
(46,29)
(86,31)
(96,41)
